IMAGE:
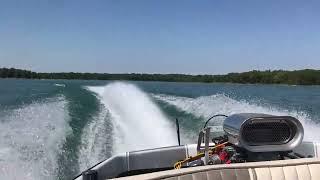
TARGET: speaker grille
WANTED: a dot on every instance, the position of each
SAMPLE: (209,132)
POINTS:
(256,133)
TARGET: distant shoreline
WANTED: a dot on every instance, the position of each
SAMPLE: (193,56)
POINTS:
(296,77)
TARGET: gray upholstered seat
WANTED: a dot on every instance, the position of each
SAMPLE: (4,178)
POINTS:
(296,169)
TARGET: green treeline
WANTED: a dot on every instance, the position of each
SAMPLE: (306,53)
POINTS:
(301,77)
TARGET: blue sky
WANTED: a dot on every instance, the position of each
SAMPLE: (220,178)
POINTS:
(163,36)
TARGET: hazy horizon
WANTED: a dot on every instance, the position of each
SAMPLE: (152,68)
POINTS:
(164,73)
(189,37)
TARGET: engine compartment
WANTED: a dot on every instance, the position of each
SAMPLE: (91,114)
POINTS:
(248,137)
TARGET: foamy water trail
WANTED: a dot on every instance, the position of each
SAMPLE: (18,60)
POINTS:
(206,106)
(31,138)
(137,121)
(96,140)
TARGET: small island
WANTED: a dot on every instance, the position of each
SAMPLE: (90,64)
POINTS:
(296,77)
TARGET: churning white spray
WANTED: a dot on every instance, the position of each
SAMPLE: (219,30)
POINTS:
(31,139)
(138,122)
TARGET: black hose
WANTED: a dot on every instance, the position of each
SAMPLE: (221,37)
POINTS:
(217,115)
(299,155)
(291,156)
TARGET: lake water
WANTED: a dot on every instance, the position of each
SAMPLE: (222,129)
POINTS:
(53,129)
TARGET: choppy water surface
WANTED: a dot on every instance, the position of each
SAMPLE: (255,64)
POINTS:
(55,129)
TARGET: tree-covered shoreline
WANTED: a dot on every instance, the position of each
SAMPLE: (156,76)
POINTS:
(298,77)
